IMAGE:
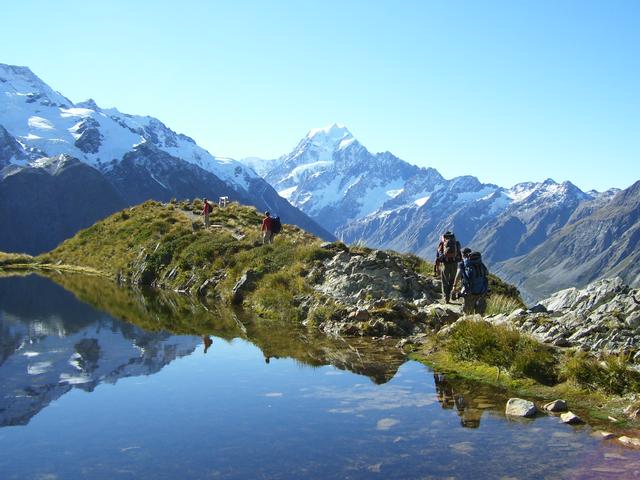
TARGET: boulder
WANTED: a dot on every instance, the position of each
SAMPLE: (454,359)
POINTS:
(556,406)
(517,407)
(629,441)
(246,283)
(570,418)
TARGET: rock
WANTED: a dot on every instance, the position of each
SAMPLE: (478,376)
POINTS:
(630,441)
(632,411)
(359,315)
(517,407)
(538,309)
(570,418)
(633,320)
(556,406)
(604,435)
(246,283)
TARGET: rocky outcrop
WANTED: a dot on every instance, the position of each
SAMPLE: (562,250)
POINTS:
(376,294)
(602,318)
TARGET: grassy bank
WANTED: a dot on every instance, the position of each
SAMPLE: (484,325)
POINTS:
(500,356)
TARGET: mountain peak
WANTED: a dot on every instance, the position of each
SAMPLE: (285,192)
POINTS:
(21,81)
(333,137)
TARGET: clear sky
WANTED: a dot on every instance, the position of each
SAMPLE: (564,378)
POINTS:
(508,91)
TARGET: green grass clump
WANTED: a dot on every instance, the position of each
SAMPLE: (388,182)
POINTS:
(502,347)
(501,304)
(610,375)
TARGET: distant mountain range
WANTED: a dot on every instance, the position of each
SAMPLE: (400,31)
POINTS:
(64,165)
(386,202)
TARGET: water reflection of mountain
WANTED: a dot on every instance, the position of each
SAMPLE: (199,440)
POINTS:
(51,343)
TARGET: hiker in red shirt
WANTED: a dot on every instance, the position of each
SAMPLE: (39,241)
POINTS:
(206,211)
(267,228)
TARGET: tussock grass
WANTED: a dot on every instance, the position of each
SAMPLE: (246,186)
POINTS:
(502,304)
(610,375)
(502,347)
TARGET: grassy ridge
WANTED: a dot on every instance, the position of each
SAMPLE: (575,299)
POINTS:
(166,246)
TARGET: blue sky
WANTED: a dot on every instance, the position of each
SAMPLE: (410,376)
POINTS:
(503,90)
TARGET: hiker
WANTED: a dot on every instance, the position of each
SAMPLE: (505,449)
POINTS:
(458,292)
(267,228)
(206,339)
(447,257)
(206,211)
(475,282)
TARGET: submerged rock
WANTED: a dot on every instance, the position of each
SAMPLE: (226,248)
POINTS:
(630,441)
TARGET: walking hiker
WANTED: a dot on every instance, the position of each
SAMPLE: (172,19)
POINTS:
(267,228)
(447,257)
(475,282)
(206,211)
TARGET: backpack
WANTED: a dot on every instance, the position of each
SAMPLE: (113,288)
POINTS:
(276,226)
(450,249)
(474,275)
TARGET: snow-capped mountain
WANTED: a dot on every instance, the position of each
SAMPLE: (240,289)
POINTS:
(332,178)
(601,239)
(49,124)
(388,203)
(139,156)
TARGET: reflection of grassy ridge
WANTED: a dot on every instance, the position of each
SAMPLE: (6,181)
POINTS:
(167,311)
(150,310)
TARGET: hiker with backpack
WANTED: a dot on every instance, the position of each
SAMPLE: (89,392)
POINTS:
(475,282)
(267,228)
(206,211)
(447,257)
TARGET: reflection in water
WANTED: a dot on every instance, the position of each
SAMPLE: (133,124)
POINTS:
(469,416)
(207,342)
(55,344)
(245,409)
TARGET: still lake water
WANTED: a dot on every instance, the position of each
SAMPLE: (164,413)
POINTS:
(85,394)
